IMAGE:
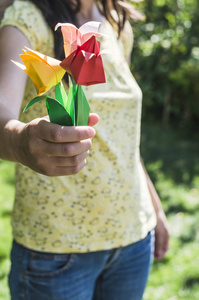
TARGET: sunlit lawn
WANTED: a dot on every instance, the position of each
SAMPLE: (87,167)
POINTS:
(173,163)
(6,202)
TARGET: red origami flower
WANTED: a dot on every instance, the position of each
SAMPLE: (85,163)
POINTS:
(82,50)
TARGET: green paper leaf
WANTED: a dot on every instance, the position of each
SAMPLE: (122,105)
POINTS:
(35,100)
(56,111)
(70,105)
(60,94)
(82,108)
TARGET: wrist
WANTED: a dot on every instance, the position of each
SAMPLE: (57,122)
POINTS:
(15,129)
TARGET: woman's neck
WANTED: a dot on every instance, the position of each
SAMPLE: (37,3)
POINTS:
(88,12)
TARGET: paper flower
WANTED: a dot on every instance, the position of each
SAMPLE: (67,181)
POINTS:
(82,50)
(84,64)
(44,71)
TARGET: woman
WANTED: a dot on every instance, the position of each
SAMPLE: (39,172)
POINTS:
(81,231)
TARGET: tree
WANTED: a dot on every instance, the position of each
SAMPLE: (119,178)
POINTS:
(165,60)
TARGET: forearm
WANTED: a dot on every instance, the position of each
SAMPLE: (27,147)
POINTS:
(12,85)
(10,128)
(161,229)
(154,195)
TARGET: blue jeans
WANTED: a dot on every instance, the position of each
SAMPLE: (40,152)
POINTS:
(118,274)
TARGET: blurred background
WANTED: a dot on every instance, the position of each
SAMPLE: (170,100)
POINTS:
(165,62)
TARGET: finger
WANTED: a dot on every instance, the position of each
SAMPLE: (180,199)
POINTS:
(62,134)
(93,119)
(158,250)
(160,254)
(46,118)
(63,171)
(69,161)
(66,149)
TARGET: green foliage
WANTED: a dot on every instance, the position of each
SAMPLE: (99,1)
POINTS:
(165,60)
(173,164)
(6,203)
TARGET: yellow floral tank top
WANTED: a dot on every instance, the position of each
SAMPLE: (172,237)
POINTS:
(107,204)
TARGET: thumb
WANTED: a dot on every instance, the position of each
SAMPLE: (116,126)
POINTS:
(93,119)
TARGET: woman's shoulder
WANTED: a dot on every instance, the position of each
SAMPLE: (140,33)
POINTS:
(126,37)
(21,11)
(26,17)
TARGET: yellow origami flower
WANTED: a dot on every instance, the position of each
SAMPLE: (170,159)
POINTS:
(44,71)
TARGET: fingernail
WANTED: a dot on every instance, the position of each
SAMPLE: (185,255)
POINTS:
(92,131)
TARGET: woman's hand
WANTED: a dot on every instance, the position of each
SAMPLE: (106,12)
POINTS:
(161,229)
(51,149)
(161,235)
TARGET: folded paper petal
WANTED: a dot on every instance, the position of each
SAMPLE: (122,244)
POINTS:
(91,46)
(90,27)
(85,64)
(44,71)
(74,37)
(86,72)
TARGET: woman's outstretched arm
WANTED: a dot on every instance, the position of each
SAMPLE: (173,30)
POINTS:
(47,148)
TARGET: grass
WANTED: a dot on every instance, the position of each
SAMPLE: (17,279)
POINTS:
(173,163)
(6,203)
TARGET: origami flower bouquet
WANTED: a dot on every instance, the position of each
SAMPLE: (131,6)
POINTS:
(84,65)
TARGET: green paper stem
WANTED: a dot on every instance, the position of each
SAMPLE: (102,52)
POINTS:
(57,113)
(70,105)
(78,104)
(60,94)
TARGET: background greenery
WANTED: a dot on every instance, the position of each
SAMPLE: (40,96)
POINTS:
(165,62)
